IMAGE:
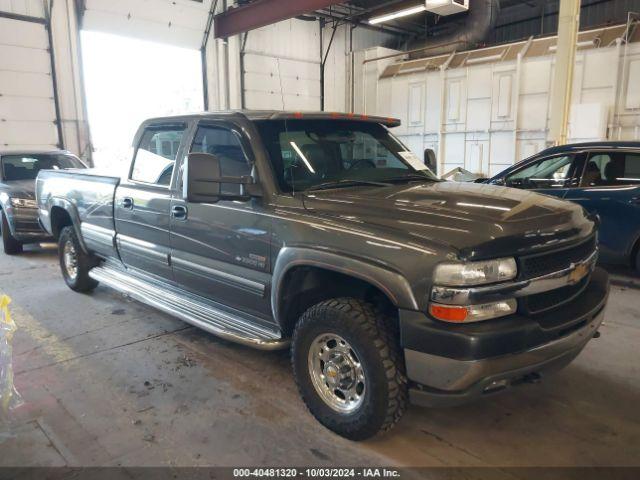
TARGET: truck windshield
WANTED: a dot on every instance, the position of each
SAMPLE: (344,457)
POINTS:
(313,154)
(26,167)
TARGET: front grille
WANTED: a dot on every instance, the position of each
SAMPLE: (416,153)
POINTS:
(545,263)
(545,301)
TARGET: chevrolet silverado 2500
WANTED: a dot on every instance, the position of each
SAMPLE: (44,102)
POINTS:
(321,231)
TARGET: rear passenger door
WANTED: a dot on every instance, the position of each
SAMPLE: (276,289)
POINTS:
(610,187)
(143,201)
(221,250)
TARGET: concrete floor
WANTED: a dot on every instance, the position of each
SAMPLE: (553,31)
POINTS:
(108,381)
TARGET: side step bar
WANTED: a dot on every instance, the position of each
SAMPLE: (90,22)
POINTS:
(190,309)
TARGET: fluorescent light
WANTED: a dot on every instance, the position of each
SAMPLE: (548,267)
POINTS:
(301,155)
(398,14)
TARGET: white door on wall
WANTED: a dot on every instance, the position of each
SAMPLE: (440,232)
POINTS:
(27,105)
(273,83)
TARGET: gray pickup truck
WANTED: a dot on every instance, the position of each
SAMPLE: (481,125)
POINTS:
(323,232)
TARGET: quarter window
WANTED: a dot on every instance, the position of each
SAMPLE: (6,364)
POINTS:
(156,155)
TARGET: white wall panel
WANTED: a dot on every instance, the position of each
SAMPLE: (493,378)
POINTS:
(633,86)
(27,107)
(495,114)
(19,59)
(31,8)
(178,22)
(416,104)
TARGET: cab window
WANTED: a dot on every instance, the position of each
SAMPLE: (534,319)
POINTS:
(553,172)
(156,155)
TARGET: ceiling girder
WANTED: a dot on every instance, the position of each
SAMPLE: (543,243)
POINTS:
(264,12)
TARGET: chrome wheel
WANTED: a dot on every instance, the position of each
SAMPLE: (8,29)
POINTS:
(70,258)
(336,373)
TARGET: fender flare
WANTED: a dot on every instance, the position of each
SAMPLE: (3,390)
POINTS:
(72,210)
(394,285)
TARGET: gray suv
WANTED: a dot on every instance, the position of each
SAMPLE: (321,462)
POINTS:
(323,232)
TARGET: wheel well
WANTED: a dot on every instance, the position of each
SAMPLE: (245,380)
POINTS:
(634,252)
(305,286)
(60,218)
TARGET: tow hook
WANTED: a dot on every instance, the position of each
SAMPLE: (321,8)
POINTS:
(597,334)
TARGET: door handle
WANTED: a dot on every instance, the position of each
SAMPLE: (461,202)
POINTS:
(635,200)
(179,211)
(127,203)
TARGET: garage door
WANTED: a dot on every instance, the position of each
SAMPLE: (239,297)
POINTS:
(27,105)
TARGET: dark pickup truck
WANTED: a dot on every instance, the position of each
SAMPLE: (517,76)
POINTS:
(323,232)
(18,211)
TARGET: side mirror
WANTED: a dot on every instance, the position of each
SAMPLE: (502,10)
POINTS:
(202,181)
(430,160)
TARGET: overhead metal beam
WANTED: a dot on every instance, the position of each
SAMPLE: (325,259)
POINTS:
(264,12)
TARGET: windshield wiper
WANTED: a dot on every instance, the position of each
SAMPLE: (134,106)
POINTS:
(346,183)
(411,178)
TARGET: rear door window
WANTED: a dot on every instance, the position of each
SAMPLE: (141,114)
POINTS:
(612,169)
(156,155)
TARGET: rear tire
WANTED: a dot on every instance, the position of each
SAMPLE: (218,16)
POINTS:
(75,264)
(349,367)
(9,243)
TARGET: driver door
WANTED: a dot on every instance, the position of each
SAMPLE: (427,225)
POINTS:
(221,251)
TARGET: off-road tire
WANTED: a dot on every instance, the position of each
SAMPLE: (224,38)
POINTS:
(374,336)
(11,245)
(81,282)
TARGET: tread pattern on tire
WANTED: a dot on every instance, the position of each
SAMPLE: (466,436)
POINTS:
(383,331)
(83,282)
(10,245)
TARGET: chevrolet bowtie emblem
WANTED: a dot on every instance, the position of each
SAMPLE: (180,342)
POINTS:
(578,273)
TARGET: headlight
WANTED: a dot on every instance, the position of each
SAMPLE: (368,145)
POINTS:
(475,273)
(23,202)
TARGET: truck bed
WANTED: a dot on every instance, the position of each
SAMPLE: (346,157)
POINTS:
(86,194)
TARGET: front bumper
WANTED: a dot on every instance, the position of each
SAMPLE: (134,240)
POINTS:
(454,364)
(25,226)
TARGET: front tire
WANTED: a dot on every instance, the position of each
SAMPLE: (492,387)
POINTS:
(349,368)
(9,243)
(75,264)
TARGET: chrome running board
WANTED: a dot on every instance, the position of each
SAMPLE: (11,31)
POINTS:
(191,309)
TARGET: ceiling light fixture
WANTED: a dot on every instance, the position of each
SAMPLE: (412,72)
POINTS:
(398,14)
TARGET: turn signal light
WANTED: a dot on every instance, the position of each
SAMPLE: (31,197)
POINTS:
(449,314)
(472,313)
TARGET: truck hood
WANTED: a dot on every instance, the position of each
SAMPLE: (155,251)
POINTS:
(477,221)
(19,188)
